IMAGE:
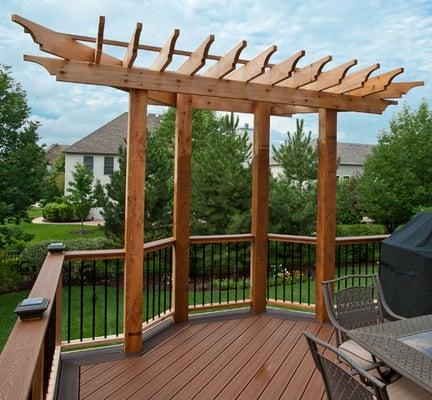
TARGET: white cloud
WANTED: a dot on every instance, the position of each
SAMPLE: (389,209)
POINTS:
(396,33)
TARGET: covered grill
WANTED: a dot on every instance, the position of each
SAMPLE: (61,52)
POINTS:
(406,267)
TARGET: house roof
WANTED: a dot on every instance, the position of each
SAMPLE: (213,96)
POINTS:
(53,151)
(348,153)
(108,138)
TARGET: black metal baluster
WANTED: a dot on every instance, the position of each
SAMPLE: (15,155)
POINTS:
(338,255)
(301,273)
(367,258)
(268,269)
(165,278)
(373,258)
(229,272)
(170,277)
(292,272)
(284,272)
(211,273)
(147,288)
(235,270)
(276,270)
(69,306)
(244,270)
(117,295)
(106,298)
(220,273)
(159,281)
(153,285)
(94,299)
(81,299)
(346,265)
(309,273)
(352,263)
(194,274)
(203,273)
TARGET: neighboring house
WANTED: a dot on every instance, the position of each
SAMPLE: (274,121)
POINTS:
(351,156)
(99,150)
(52,152)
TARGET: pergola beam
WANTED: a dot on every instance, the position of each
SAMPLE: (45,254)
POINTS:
(132,50)
(165,56)
(198,58)
(377,84)
(396,90)
(99,40)
(355,80)
(141,78)
(227,63)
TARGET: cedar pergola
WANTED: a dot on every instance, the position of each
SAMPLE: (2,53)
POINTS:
(229,84)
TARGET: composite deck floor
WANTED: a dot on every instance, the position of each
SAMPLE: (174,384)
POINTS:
(240,357)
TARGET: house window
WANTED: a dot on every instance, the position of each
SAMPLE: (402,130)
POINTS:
(346,177)
(108,165)
(337,177)
(88,162)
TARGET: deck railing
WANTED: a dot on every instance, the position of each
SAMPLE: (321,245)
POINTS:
(291,266)
(85,289)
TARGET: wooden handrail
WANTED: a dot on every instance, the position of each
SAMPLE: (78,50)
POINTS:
(115,253)
(246,237)
(22,353)
(339,240)
(292,238)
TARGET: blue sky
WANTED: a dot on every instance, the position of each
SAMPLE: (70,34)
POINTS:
(394,33)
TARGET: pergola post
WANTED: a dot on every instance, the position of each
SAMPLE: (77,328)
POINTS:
(134,220)
(260,198)
(326,215)
(182,204)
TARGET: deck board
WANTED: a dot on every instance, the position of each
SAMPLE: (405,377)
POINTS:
(246,357)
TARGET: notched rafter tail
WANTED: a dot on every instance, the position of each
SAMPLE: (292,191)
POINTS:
(280,71)
(396,90)
(354,81)
(376,84)
(254,67)
(165,56)
(99,40)
(61,44)
(197,59)
(132,50)
(227,63)
(302,76)
(332,77)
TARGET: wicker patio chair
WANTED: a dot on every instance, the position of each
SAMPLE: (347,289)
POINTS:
(355,301)
(353,382)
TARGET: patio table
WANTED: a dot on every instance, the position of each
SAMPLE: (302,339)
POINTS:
(404,345)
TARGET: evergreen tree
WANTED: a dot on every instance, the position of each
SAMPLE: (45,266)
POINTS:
(22,159)
(81,192)
(99,194)
(297,156)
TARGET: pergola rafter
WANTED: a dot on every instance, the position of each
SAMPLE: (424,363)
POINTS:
(231,84)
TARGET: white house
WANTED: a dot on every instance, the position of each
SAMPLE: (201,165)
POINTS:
(99,150)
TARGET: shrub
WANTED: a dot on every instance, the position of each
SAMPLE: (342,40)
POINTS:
(58,212)
(360,230)
(13,239)
(34,255)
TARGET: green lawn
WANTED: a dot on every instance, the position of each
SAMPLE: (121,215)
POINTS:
(55,232)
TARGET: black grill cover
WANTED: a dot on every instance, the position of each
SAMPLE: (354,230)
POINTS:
(406,267)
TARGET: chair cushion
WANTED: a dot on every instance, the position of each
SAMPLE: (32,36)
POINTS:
(357,353)
(404,389)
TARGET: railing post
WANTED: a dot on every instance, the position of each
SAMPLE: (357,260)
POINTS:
(326,215)
(260,197)
(182,200)
(134,220)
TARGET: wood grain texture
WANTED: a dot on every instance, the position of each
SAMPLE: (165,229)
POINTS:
(246,357)
(377,84)
(197,59)
(227,63)
(19,357)
(302,76)
(355,80)
(165,56)
(281,70)
(326,213)
(182,203)
(99,40)
(134,220)
(132,50)
(61,44)
(260,199)
(254,67)
(396,90)
(142,78)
